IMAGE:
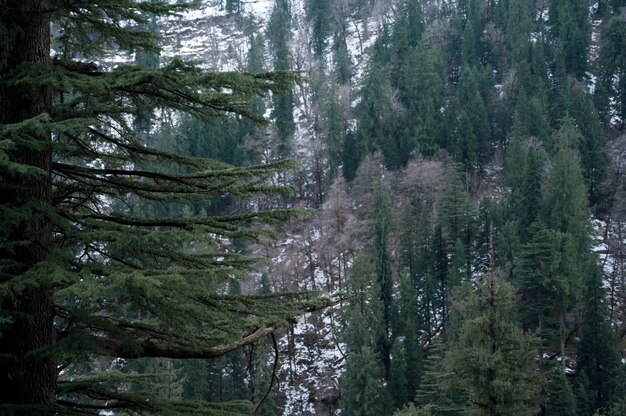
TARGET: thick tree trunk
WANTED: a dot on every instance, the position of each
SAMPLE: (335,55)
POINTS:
(27,376)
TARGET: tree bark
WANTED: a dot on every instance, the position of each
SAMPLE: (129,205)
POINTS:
(28,377)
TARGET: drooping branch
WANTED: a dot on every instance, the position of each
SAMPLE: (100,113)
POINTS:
(152,348)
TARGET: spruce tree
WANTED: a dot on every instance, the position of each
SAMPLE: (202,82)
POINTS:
(74,267)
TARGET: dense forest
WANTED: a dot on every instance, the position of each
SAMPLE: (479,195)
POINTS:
(301,207)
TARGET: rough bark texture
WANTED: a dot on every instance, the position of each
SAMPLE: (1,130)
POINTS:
(26,375)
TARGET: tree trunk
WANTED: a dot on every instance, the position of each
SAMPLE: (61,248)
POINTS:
(27,376)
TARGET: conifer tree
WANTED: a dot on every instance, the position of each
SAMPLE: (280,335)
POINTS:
(559,396)
(73,266)
(381,218)
(597,355)
(492,359)
(363,317)
(362,386)
(398,383)
(434,392)
(278,35)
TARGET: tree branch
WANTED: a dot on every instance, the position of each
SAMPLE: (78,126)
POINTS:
(153,348)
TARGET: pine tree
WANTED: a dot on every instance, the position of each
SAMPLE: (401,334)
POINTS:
(398,383)
(363,317)
(434,392)
(74,267)
(381,228)
(597,355)
(492,359)
(278,35)
(612,65)
(362,386)
(559,396)
(318,14)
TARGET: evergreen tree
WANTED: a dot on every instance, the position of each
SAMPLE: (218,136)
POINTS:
(492,359)
(564,205)
(74,268)
(409,346)
(549,275)
(318,14)
(278,35)
(363,317)
(559,396)
(381,218)
(597,355)
(398,383)
(362,386)
(592,160)
(474,136)
(571,25)
(434,393)
(612,66)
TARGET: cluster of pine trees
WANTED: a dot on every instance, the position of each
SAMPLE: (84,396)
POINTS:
(485,302)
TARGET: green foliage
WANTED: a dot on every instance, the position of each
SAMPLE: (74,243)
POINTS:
(411,410)
(278,35)
(82,270)
(317,13)
(398,383)
(491,358)
(363,390)
(597,353)
(435,393)
(381,228)
(559,396)
(612,68)
(363,317)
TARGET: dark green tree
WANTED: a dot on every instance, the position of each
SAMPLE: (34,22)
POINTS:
(363,323)
(381,228)
(597,355)
(81,279)
(362,386)
(490,357)
(612,66)
(559,396)
(434,392)
(398,383)
(318,13)
(278,35)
